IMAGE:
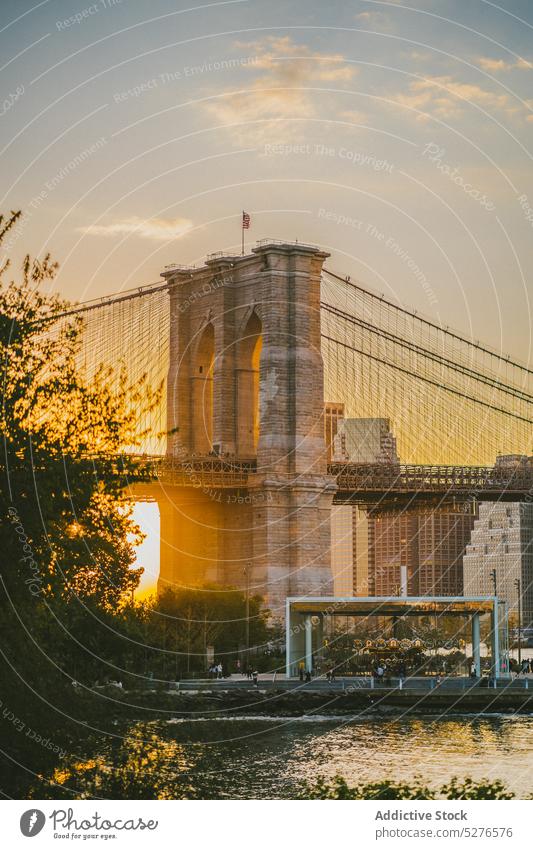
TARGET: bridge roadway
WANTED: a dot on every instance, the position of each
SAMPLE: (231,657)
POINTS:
(375,485)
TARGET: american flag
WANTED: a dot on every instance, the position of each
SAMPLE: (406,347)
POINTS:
(245,221)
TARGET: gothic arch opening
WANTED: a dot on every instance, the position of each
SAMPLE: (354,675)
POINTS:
(247,387)
(202,392)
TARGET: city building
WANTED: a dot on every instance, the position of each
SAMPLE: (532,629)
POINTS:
(361,542)
(354,441)
(333,414)
(342,555)
(349,550)
(393,554)
(365,441)
(501,548)
(442,538)
(418,553)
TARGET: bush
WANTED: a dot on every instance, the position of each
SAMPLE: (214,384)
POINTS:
(338,788)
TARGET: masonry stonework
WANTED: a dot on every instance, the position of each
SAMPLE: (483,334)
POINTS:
(246,381)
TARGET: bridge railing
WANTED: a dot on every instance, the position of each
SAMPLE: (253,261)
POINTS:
(371,478)
(384,477)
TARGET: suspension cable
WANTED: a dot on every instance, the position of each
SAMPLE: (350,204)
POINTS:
(429,323)
(430,355)
(427,380)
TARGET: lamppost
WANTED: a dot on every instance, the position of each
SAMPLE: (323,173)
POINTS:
(495,587)
(246,572)
(189,641)
(518,586)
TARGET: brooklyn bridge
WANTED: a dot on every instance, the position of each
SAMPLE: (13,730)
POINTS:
(253,361)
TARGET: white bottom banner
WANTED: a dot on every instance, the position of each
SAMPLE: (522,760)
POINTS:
(265,824)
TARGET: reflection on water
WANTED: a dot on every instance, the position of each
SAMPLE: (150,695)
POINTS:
(252,757)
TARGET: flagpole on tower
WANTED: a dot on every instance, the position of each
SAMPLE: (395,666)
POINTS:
(245,225)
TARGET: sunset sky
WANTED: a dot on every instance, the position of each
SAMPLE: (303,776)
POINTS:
(133,134)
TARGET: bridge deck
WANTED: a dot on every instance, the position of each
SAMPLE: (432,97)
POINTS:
(358,483)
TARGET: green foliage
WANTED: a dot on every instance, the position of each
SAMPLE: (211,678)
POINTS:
(66,534)
(338,788)
(470,789)
(141,766)
(185,621)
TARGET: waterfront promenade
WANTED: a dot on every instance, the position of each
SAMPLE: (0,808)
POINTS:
(344,695)
(267,681)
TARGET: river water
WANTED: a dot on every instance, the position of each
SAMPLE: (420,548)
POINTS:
(272,757)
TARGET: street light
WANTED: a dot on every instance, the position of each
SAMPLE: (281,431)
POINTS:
(518,586)
(246,572)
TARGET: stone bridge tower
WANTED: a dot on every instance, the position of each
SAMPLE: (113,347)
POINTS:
(246,382)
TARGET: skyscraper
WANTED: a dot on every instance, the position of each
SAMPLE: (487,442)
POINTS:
(393,554)
(419,552)
(342,559)
(502,540)
(349,551)
(354,441)
(442,540)
(365,441)
(333,415)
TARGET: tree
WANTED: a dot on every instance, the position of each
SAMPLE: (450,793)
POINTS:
(66,533)
(186,620)
(61,493)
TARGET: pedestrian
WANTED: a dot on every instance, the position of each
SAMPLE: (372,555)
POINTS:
(307,676)
(301,670)
(255,677)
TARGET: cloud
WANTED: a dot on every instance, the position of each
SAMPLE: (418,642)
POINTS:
(443,97)
(419,56)
(355,116)
(293,62)
(493,64)
(380,20)
(489,64)
(158,229)
(278,92)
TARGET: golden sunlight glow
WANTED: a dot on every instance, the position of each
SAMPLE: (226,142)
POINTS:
(146,515)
